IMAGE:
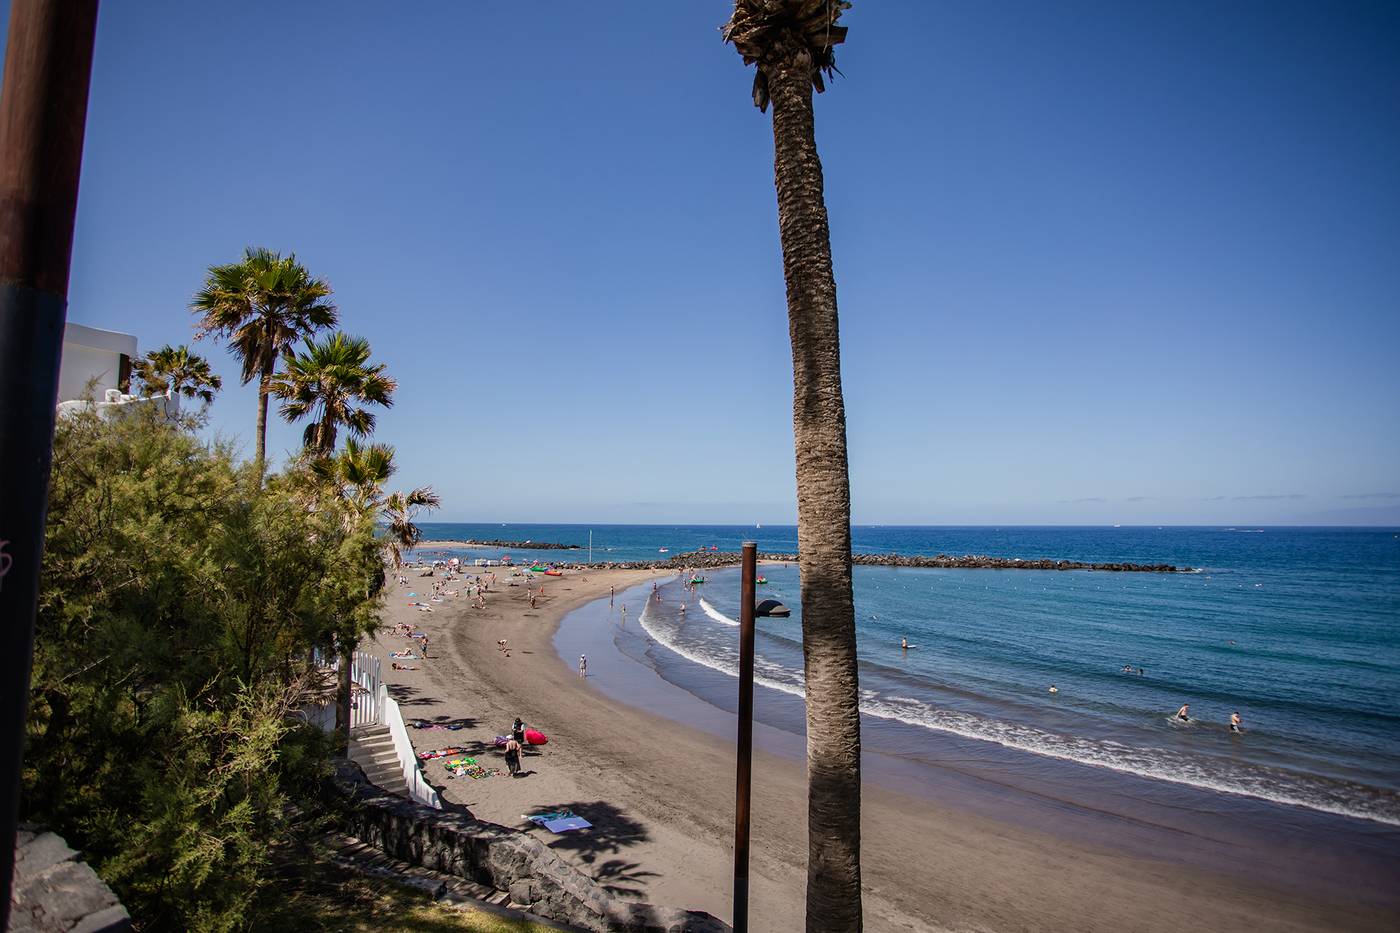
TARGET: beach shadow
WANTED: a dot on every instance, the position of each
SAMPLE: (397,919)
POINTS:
(447,723)
(622,877)
(611,832)
(405,695)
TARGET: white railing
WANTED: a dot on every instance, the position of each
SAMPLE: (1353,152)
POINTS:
(418,788)
(367,704)
(371,706)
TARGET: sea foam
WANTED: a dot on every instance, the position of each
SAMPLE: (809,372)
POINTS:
(1270,784)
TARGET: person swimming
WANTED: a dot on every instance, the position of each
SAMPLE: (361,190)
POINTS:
(904,643)
(1183,713)
(1054,689)
(1235,722)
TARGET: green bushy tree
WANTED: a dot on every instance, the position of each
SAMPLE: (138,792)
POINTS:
(180,606)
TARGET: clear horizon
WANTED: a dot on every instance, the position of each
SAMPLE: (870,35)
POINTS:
(1096,264)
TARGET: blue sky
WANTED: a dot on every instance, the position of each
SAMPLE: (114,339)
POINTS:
(1096,262)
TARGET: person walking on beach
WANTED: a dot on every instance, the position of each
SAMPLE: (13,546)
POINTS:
(517,731)
(612,594)
(583,665)
(513,756)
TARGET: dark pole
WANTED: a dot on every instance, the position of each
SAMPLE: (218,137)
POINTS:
(745,767)
(43,109)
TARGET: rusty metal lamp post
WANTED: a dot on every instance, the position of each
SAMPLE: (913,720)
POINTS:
(743,783)
(43,113)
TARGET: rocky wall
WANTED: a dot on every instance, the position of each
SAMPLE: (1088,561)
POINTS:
(454,842)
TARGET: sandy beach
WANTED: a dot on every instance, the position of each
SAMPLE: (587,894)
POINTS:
(660,796)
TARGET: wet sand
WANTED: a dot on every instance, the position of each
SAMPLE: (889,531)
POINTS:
(660,796)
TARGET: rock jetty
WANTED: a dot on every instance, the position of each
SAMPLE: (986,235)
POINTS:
(513,545)
(702,559)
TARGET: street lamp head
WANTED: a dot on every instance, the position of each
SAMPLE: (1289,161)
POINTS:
(771,607)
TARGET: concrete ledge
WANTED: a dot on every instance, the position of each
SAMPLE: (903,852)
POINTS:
(454,842)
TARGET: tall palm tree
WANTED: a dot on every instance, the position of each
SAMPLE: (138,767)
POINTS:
(325,382)
(355,478)
(791,43)
(262,304)
(177,371)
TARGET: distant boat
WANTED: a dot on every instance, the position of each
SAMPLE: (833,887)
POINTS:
(761,580)
(756,525)
(663,550)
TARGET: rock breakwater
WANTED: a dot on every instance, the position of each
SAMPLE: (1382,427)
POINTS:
(699,560)
(513,545)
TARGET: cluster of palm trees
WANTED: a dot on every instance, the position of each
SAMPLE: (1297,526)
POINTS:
(262,305)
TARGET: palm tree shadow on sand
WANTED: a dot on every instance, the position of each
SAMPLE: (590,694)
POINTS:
(612,832)
(404,695)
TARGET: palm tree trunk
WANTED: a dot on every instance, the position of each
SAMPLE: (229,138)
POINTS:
(263,384)
(343,705)
(823,508)
(325,440)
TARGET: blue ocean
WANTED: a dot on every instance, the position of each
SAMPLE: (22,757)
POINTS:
(1296,629)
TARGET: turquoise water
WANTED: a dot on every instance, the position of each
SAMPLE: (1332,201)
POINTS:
(1297,629)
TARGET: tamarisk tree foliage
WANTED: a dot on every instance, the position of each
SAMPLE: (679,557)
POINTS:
(181,605)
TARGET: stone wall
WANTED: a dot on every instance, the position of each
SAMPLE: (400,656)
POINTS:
(56,893)
(454,842)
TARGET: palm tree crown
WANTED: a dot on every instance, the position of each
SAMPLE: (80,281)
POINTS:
(261,305)
(763,31)
(177,371)
(326,382)
(356,476)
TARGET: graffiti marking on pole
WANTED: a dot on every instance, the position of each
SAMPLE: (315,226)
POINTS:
(5,561)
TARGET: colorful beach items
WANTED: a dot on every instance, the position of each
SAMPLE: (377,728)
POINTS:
(447,752)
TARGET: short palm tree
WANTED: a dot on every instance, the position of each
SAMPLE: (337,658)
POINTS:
(791,42)
(400,513)
(327,382)
(355,478)
(177,371)
(261,305)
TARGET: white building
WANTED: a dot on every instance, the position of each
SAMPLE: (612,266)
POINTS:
(102,357)
(96,365)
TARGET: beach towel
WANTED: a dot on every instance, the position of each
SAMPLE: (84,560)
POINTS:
(566,824)
(558,821)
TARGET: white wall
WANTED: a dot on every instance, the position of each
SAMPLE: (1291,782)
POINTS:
(89,353)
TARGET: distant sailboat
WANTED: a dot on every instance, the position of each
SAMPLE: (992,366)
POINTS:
(756,525)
